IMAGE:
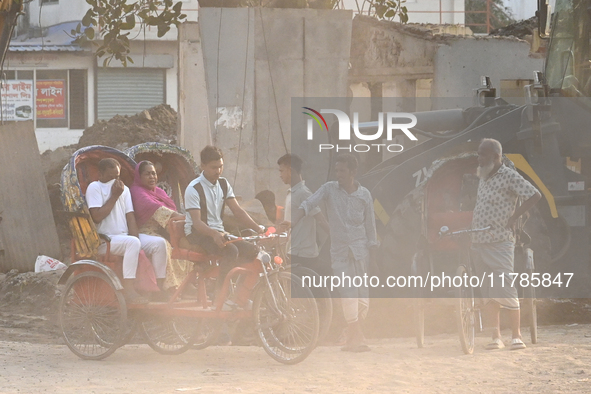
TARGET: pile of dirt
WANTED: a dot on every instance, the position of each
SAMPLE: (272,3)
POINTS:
(158,124)
(34,292)
(29,306)
(53,162)
(565,311)
(518,29)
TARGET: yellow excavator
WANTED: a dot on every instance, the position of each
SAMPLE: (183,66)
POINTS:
(548,139)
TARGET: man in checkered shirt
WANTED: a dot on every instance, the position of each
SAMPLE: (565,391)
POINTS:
(499,190)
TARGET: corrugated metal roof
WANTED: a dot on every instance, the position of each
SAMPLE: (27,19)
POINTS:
(56,39)
(46,48)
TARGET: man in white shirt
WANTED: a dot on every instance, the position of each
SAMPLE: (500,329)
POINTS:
(111,208)
(205,199)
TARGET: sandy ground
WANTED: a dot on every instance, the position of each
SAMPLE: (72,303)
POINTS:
(559,363)
(33,358)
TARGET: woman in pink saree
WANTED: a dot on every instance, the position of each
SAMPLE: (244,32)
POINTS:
(153,211)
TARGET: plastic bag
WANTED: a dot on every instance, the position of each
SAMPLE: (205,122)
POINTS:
(45,263)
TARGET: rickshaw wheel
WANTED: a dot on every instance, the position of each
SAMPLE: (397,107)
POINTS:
(168,334)
(419,320)
(323,301)
(418,306)
(289,332)
(465,314)
(130,329)
(207,333)
(530,301)
(92,315)
(127,335)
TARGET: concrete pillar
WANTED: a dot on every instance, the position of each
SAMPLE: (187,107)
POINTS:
(193,125)
(229,53)
(27,228)
(256,61)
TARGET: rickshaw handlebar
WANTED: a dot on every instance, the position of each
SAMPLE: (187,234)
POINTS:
(233,238)
(444,231)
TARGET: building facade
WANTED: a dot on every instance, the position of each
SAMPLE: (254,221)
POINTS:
(69,87)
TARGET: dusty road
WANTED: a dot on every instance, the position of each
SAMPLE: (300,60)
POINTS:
(560,363)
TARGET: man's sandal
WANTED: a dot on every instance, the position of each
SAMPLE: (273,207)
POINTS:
(496,344)
(517,344)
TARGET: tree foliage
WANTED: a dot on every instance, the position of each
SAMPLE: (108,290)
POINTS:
(390,9)
(108,24)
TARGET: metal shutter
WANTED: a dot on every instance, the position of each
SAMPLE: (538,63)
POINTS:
(127,91)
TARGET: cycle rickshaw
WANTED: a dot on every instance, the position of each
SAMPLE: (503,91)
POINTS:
(96,320)
(448,201)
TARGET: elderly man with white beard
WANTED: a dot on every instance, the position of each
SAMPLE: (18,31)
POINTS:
(499,189)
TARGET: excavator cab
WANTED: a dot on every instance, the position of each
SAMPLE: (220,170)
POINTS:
(568,63)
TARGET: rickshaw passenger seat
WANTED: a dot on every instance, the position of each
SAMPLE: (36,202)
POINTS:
(181,247)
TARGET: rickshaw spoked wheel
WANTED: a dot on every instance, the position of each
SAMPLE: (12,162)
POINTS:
(130,329)
(168,334)
(92,315)
(128,333)
(418,305)
(289,332)
(465,315)
(419,321)
(323,300)
(207,333)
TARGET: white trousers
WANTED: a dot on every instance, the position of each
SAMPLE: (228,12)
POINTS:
(355,309)
(129,247)
(155,248)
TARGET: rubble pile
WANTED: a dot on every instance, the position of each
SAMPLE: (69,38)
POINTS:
(53,161)
(518,29)
(30,291)
(158,124)
(29,304)
(564,311)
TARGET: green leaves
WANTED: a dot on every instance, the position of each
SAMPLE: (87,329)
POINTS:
(110,21)
(89,32)
(129,23)
(390,9)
